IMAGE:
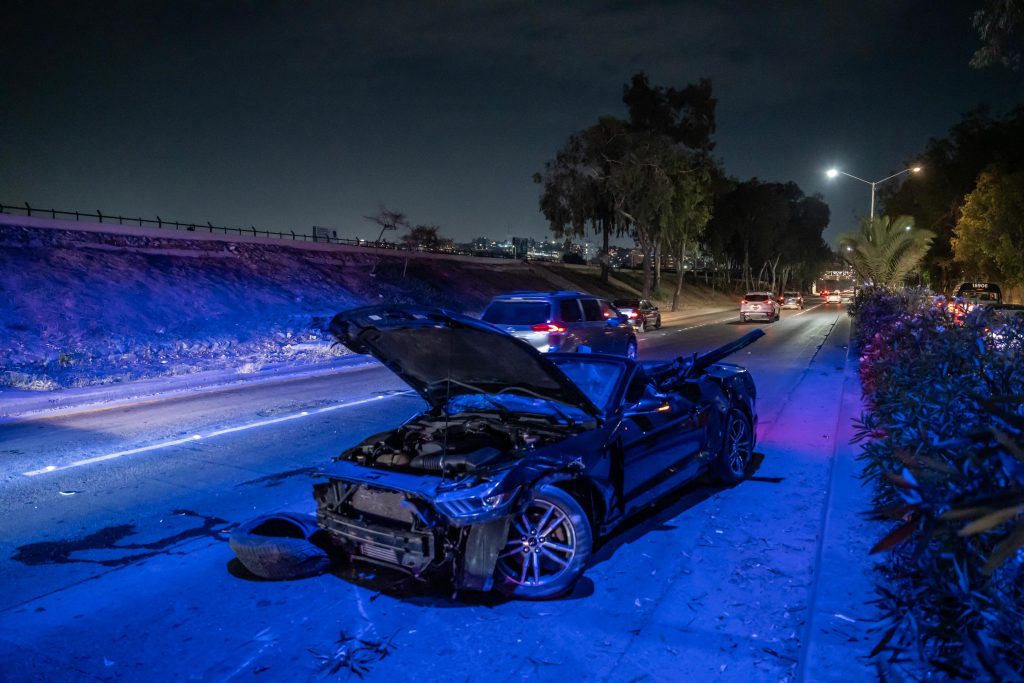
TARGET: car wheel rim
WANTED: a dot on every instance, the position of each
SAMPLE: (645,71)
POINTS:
(541,546)
(738,445)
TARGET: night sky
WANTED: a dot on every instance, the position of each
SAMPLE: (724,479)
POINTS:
(287,115)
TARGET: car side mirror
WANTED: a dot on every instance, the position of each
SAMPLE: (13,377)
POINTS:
(648,405)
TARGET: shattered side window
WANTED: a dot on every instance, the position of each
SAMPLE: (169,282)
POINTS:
(597,379)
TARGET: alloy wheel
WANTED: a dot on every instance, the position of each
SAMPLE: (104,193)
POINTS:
(737,444)
(541,546)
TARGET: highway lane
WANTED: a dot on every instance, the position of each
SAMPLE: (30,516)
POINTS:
(158,516)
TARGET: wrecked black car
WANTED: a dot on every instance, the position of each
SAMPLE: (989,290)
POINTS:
(522,460)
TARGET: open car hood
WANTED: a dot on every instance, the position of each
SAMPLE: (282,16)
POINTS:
(442,355)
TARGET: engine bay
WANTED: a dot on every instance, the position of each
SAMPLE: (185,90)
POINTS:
(454,445)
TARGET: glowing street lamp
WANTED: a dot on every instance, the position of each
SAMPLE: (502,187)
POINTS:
(833,172)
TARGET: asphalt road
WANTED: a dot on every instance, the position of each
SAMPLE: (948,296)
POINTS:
(114,565)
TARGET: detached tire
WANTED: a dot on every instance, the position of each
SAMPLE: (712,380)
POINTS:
(548,547)
(280,546)
(737,446)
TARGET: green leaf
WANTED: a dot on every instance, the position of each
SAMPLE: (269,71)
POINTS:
(1006,548)
(898,480)
(965,513)
(1008,443)
(884,640)
(991,520)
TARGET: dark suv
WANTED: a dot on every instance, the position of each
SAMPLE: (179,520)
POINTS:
(642,314)
(563,322)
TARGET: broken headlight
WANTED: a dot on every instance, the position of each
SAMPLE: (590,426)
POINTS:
(475,501)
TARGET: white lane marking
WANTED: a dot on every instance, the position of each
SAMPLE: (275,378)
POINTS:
(730,319)
(210,435)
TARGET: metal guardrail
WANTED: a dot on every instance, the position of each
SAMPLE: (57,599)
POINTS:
(160,224)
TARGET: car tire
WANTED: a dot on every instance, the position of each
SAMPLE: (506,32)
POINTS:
(544,575)
(743,318)
(642,326)
(657,325)
(280,546)
(737,447)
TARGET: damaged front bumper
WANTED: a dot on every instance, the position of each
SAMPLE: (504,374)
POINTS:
(417,523)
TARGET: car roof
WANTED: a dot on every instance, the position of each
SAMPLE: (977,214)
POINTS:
(531,294)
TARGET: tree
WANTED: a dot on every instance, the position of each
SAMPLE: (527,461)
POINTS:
(988,237)
(806,254)
(685,116)
(577,197)
(387,220)
(692,204)
(574,195)
(642,187)
(886,250)
(750,221)
(1000,25)
(425,237)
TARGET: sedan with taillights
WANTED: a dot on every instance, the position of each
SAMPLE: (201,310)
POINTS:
(791,299)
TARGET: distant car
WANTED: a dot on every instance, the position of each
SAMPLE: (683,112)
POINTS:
(833,298)
(642,314)
(980,293)
(792,300)
(563,322)
(759,305)
(517,469)
(971,296)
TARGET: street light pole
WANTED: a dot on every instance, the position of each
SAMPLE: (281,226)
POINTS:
(833,172)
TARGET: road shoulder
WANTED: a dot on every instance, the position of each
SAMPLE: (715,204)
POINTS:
(839,635)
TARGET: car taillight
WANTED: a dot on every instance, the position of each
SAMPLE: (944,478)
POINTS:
(547,327)
(632,314)
(743,303)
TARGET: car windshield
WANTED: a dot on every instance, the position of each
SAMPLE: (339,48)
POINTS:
(517,312)
(509,402)
(626,303)
(756,297)
(597,378)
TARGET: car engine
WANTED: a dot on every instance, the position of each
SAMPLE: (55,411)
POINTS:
(456,445)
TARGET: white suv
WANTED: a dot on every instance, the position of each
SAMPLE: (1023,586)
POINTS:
(759,305)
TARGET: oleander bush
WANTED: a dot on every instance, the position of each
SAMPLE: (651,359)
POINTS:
(943,445)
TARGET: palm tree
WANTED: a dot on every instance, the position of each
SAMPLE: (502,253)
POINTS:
(885,250)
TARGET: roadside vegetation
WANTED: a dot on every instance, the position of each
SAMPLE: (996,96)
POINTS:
(943,448)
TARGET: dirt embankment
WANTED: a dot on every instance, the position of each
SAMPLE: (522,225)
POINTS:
(83,307)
